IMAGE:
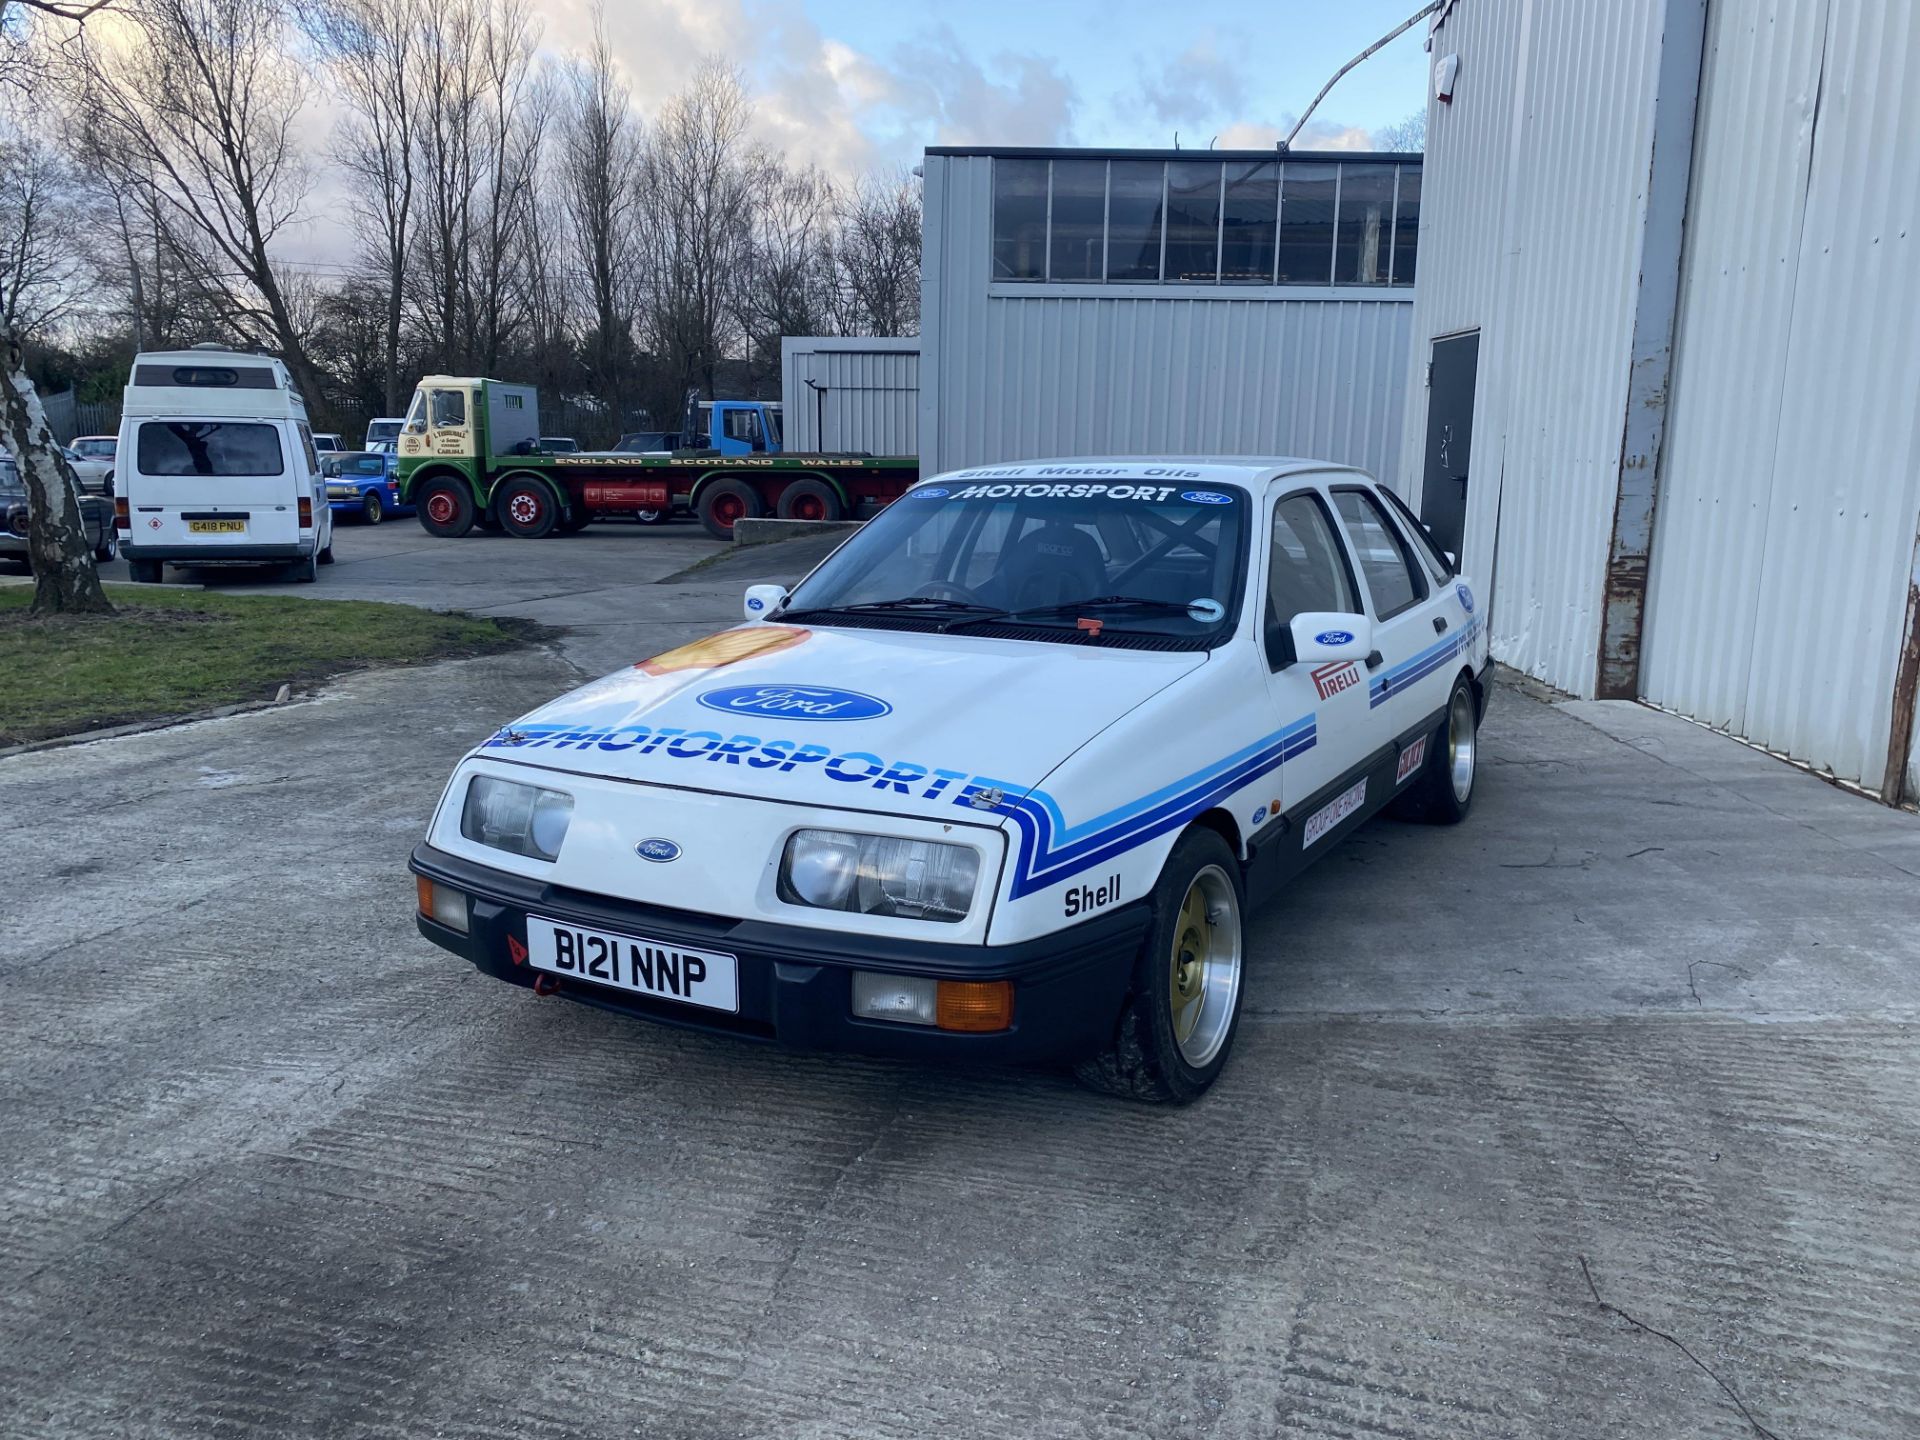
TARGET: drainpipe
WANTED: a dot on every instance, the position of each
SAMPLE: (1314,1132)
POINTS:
(1650,373)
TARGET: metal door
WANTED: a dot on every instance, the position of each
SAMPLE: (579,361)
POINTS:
(1443,487)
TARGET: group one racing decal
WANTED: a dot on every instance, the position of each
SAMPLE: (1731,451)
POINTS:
(1323,820)
(1408,672)
(1050,850)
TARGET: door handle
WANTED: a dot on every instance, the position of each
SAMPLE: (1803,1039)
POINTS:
(1375,660)
(1439,624)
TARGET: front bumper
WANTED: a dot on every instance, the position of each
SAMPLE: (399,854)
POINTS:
(794,981)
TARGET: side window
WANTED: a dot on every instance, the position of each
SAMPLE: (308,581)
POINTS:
(1422,541)
(1393,577)
(449,408)
(313,455)
(742,425)
(1306,571)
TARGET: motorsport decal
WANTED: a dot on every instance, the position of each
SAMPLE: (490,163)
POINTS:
(1050,850)
(1337,675)
(724,648)
(796,702)
(1334,811)
(1410,759)
(1058,490)
(1409,672)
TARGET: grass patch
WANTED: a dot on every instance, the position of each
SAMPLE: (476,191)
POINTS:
(172,653)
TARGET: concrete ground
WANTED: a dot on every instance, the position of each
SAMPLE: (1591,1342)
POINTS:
(274,1165)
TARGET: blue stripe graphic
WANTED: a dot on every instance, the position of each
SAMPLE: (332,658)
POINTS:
(1408,672)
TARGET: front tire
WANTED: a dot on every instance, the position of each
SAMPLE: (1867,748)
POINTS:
(446,508)
(1177,1026)
(371,509)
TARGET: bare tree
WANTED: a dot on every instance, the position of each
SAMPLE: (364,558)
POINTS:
(600,168)
(696,214)
(510,117)
(199,102)
(41,266)
(787,280)
(1409,133)
(879,258)
(373,47)
(448,84)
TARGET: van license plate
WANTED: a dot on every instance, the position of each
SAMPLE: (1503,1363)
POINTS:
(625,962)
(216,527)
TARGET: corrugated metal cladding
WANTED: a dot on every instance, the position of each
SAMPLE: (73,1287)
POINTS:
(1532,211)
(871,399)
(1026,375)
(1791,481)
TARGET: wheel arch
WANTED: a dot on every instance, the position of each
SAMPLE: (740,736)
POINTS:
(428,473)
(1224,824)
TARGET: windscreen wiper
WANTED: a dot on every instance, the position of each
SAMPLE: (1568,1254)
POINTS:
(1125,602)
(903,602)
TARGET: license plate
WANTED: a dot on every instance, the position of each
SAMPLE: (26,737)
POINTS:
(216,527)
(627,962)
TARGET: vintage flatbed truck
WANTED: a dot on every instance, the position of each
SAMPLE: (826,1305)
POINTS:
(470,455)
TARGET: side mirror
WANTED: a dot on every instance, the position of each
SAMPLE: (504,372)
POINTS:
(1322,635)
(763,600)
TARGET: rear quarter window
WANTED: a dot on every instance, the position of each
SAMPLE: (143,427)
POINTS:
(209,447)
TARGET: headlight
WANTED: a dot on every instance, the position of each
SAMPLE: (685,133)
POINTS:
(521,818)
(879,875)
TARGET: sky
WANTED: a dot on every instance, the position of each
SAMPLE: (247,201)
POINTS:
(863,86)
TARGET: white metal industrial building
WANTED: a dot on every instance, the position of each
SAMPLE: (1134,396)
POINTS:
(1211,302)
(851,393)
(1665,367)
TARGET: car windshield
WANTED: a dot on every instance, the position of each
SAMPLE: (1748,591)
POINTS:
(94,449)
(1151,550)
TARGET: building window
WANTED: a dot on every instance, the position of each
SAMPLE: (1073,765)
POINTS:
(1406,225)
(1249,220)
(1020,219)
(1205,222)
(1307,196)
(1363,251)
(1076,250)
(1193,222)
(1136,196)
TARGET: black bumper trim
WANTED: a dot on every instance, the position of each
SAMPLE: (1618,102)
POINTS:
(216,554)
(794,981)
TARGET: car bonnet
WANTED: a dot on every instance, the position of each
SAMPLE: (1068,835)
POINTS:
(903,723)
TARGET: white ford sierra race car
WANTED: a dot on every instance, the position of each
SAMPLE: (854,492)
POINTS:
(998,779)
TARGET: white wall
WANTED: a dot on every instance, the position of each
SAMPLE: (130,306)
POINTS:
(1021,371)
(872,396)
(1532,209)
(1784,531)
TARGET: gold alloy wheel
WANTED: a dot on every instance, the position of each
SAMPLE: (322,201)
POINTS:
(1204,966)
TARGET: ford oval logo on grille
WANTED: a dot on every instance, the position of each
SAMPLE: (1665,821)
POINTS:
(657,850)
(796,702)
(1333,637)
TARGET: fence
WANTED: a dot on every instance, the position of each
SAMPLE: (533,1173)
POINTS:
(70,417)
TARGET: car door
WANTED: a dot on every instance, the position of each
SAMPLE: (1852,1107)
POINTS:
(1412,635)
(1308,570)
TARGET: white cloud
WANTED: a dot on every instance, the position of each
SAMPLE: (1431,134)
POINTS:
(1318,135)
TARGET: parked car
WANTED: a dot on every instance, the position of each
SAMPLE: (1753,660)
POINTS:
(559,445)
(96,513)
(998,779)
(383,434)
(361,482)
(649,442)
(91,457)
(326,442)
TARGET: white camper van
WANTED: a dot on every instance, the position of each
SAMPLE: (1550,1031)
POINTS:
(217,466)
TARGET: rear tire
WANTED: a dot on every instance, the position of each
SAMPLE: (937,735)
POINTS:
(326,554)
(145,572)
(1177,1026)
(446,508)
(725,502)
(305,570)
(525,508)
(809,499)
(653,517)
(1443,793)
(577,519)
(108,547)
(371,509)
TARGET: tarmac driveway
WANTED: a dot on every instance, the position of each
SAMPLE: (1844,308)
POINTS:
(274,1165)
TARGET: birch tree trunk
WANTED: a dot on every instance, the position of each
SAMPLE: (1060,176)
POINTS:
(65,581)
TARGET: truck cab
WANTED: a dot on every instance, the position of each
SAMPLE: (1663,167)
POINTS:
(743,427)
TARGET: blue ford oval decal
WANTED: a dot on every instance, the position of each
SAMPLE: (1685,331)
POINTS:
(795,702)
(756,604)
(1466,598)
(657,850)
(1206,497)
(933,493)
(1333,637)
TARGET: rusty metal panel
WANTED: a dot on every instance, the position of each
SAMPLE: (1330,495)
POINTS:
(1019,376)
(1783,545)
(1535,196)
(864,395)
